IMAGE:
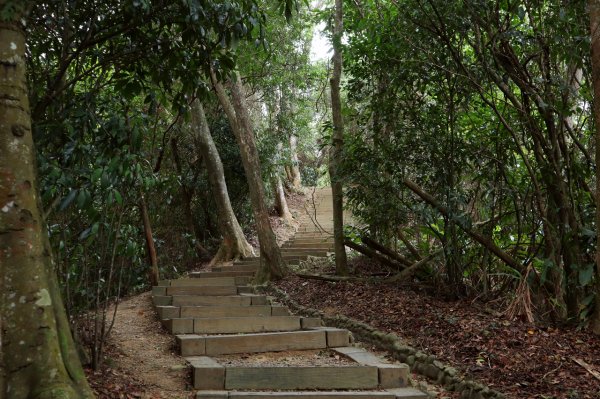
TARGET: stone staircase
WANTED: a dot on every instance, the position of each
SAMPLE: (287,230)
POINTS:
(215,314)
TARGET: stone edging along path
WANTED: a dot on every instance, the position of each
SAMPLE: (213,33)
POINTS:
(419,362)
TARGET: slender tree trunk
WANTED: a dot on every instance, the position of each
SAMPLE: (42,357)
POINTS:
(281,205)
(150,248)
(594,10)
(485,241)
(295,167)
(335,153)
(234,244)
(38,358)
(186,197)
(289,175)
(272,264)
(280,202)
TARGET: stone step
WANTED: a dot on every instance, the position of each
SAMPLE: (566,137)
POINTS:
(207,300)
(230,311)
(212,281)
(391,375)
(286,256)
(312,234)
(240,266)
(319,338)
(316,245)
(176,312)
(400,393)
(293,254)
(199,290)
(223,273)
(209,374)
(327,230)
(206,281)
(313,240)
(233,325)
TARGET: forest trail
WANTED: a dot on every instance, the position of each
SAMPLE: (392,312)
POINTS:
(244,345)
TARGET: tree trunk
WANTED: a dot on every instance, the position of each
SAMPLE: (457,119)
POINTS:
(280,202)
(150,248)
(295,167)
(485,241)
(272,265)
(39,359)
(594,10)
(335,153)
(186,199)
(281,205)
(234,245)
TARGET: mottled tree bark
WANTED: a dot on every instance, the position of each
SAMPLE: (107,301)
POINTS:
(39,359)
(594,10)
(272,265)
(337,145)
(234,244)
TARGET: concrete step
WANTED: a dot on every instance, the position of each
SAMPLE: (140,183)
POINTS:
(231,311)
(209,374)
(207,300)
(304,252)
(176,312)
(207,280)
(233,325)
(391,375)
(316,245)
(319,338)
(286,256)
(200,290)
(241,266)
(213,281)
(309,234)
(401,393)
(223,273)
(313,240)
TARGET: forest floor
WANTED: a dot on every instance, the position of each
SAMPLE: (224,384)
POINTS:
(519,359)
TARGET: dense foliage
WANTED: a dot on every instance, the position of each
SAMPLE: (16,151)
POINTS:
(109,88)
(487,106)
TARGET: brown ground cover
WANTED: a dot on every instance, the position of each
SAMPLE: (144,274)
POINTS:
(517,358)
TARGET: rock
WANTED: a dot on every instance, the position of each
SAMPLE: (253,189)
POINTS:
(431,371)
(439,364)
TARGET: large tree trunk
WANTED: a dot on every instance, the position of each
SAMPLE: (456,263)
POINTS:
(335,154)
(39,359)
(234,244)
(272,265)
(594,10)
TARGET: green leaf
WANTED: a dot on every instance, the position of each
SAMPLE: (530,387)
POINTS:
(586,274)
(118,197)
(67,200)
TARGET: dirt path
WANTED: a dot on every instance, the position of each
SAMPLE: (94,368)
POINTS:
(141,358)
